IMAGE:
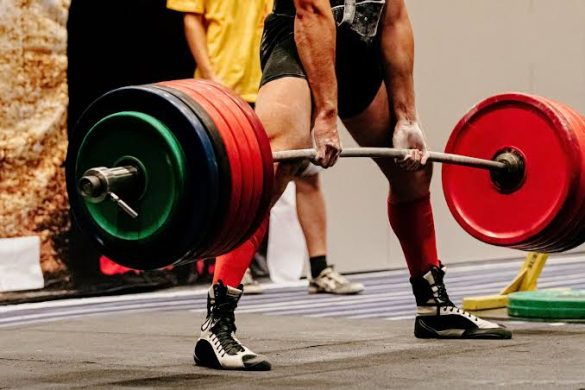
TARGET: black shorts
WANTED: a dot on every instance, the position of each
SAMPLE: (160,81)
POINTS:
(358,62)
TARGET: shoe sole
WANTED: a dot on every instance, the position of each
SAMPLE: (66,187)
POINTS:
(474,336)
(212,362)
(317,291)
(425,332)
(253,292)
(261,366)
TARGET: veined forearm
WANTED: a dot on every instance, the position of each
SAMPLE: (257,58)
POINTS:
(398,54)
(315,40)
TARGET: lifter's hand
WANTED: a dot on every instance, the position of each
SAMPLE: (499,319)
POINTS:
(327,143)
(409,135)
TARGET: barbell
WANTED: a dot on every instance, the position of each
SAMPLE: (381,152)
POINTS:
(173,172)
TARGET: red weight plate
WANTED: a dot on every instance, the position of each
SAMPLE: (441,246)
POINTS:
(236,203)
(226,236)
(526,124)
(249,142)
(573,235)
(265,155)
(249,174)
(568,221)
(579,237)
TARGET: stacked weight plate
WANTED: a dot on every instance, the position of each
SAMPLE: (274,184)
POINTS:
(205,172)
(546,211)
(559,304)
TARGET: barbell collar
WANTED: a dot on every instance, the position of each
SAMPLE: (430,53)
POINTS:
(97,183)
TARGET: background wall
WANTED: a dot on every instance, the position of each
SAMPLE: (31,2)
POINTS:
(465,51)
(33,113)
(56,56)
(113,43)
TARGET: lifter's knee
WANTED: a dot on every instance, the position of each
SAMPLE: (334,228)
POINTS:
(293,168)
(284,172)
(410,186)
(309,183)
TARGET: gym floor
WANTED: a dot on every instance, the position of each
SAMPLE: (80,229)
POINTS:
(317,341)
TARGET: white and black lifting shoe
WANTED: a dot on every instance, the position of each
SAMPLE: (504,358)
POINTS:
(217,346)
(438,317)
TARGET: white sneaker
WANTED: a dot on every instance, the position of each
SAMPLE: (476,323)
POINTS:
(330,281)
(251,286)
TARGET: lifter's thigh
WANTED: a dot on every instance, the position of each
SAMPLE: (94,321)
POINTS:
(284,107)
(374,127)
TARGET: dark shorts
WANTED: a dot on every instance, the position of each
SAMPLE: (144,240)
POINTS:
(358,62)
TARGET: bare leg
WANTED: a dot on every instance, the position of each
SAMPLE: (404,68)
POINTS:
(313,220)
(312,214)
(409,209)
(284,108)
(373,127)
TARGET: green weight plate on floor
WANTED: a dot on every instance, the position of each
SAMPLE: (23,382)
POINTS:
(162,162)
(548,304)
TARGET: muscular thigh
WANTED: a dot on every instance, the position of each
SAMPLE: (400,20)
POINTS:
(284,108)
(373,127)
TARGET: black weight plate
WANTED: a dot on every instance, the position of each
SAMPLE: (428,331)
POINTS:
(223,167)
(201,195)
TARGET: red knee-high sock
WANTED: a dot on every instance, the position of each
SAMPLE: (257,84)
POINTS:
(413,224)
(231,267)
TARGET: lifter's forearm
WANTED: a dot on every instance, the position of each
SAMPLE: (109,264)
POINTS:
(398,55)
(315,40)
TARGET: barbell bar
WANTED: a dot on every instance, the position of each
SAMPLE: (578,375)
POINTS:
(506,162)
(161,174)
(98,184)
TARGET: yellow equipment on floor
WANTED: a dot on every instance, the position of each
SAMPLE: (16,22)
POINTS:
(526,280)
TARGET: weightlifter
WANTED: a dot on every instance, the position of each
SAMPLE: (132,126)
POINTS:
(351,58)
(220,36)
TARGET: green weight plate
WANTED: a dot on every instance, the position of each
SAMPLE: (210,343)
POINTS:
(548,304)
(198,206)
(147,140)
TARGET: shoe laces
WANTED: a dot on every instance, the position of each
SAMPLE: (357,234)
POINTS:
(442,293)
(457,310)
(336,277)
(224,326)
(450,306)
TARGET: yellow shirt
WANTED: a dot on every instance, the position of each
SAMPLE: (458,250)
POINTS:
(234,31)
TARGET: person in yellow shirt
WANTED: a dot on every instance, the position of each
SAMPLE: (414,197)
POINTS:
(224,37)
